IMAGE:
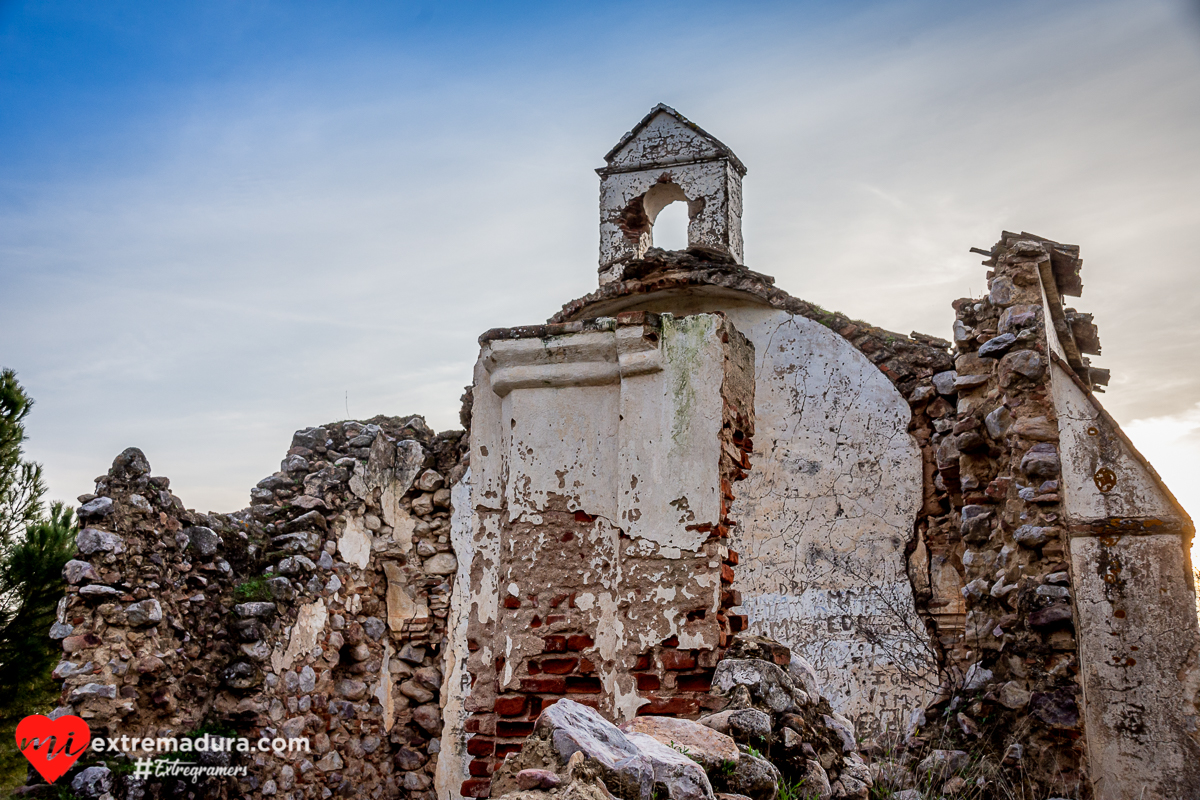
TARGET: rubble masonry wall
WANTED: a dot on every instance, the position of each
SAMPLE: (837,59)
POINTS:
(320,611)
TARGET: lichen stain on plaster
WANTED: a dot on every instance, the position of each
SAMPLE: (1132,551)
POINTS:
(682,342)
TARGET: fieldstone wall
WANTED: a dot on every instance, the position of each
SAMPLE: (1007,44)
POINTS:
(357,664)
(320,611)
(1016,663)
(142,627)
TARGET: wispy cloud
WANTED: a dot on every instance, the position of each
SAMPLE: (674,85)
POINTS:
(304,213)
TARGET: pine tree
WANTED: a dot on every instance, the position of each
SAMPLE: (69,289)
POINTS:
(33,550)
(21,485)
(31,577)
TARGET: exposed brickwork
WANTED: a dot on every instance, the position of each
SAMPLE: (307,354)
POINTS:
(670,679)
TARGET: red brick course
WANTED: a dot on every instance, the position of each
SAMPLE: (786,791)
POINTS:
(476,787)
(510,706)
(647,681)
(677,659)
(544,685)
(558,666)
(480,747)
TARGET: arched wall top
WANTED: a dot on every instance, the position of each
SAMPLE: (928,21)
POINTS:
(905,360)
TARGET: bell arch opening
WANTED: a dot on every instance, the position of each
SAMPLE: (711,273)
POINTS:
(670,229)
(666,208)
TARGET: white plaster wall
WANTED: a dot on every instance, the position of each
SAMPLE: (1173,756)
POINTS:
(717,226)
(1139,644)
(826,512)
(1086,446)
(622,428)
(453,761)
(1138,649)
(663,140)
(825,515)
(558,451)
(669,444)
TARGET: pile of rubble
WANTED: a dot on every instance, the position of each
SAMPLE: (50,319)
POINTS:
(775,737)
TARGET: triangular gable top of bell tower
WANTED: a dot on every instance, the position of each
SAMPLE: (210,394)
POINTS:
(665,137)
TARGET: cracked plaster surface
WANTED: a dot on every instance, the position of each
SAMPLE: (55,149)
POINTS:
(1138,620)
(599,489)
(825,515)
(827,511)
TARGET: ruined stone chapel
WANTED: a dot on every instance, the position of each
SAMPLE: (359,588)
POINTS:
(947,533)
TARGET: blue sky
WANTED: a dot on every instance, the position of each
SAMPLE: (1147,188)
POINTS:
(221,222)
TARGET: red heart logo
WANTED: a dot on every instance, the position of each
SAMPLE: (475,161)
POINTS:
(53,745)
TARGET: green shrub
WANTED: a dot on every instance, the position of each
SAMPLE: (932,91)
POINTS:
(253,589)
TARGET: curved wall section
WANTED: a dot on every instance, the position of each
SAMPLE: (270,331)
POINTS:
(827,512)
(825,515)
